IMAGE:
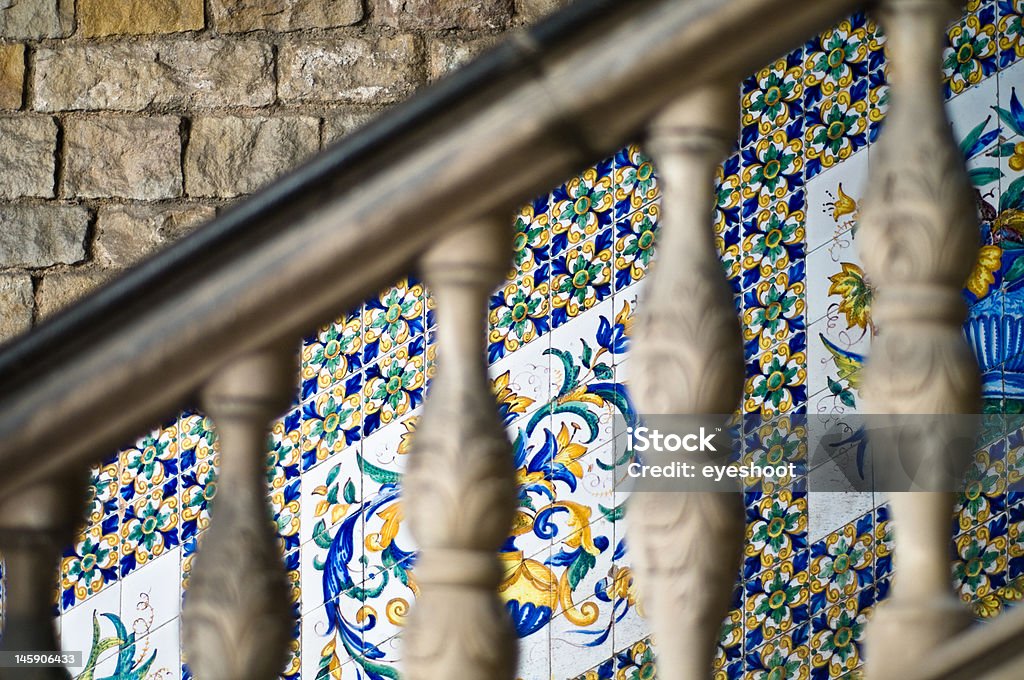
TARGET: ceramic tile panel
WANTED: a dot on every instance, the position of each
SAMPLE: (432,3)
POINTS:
(95,629)
(840,58)
(773,97)
(972,52)
(336,349)
(581,277)
(584,207)
(842,563)
(776,379)
(1011,32)
(636,180)
(815,564)
(833,200)
(837,634)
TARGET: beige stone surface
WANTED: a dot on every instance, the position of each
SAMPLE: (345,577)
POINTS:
(12,75)
(42,235)
(126,234)
(16,303)
(232,156)
(488,15)
(34,19)
(355,70)
(121,156)
(112,17)
(208,73)
(343,121)
(447,54)
(28,145)
(530,11)
(59,290)
(234,16)
(134,76)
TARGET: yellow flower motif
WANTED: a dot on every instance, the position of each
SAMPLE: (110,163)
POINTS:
(505,395)
(988,606)
(843,205)
(1012,591)
(569,452)
(581,394)
(853,288)
(983,276)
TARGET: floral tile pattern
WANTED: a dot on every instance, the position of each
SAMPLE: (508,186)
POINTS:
(558,335)
(972,52)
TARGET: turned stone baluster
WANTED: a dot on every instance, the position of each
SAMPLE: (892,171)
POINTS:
(460,488)
(35,525)
(688,359)
(237,618)
(918,239)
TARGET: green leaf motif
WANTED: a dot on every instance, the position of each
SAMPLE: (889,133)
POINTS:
(320,535)
(847,398)
(333,475)
(982,176)
(583,563)
(1011,199)
(1016,270)
(613,514)
(379,475)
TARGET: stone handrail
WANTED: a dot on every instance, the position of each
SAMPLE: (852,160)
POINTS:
(295,255)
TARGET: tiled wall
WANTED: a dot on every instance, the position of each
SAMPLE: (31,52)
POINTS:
(815,564)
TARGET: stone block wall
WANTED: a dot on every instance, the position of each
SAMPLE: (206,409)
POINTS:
(126,123)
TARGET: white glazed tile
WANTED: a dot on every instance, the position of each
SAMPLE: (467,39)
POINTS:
(312,554)
(535,656)
(163,644)
(152,593)
(77,629)
(630,628)
(969,109)
(316,637)
(577,644)
(388,607)
(1010,79)
(837,494)
(594,491)
(571,337)
(533,436)
(330,493)
(830,510)
(388,450)
(838,357)
(526,374)
(829,215)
